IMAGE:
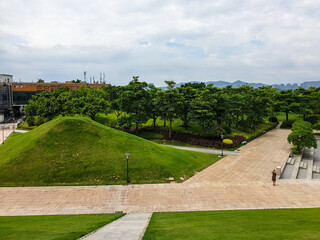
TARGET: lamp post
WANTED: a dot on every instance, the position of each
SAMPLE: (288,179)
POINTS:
(12,124)
(222,144)
(127,157)
(2,127)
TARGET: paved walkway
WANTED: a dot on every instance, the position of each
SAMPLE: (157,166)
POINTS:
(129,227)
(205,150)
(235,182)
(5,131)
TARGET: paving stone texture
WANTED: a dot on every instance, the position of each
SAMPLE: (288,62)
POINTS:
(235,182)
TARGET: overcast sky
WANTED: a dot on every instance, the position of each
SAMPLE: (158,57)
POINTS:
(249,40)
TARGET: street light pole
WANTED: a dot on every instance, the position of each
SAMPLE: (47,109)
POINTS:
(127,157)
(2,127)
(222,145)
(12,124)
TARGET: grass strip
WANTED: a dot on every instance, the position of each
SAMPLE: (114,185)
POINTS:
(52,227)
(241,224)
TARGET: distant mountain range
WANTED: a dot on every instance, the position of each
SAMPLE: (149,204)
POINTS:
(238,83)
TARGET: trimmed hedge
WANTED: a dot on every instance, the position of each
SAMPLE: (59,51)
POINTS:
(200,140)
(287,124)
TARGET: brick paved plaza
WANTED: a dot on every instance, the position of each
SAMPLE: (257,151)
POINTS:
(236,182)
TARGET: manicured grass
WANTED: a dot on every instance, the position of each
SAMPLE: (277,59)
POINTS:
(24,126)
(52,227)
(149,135)
(245,224)
(75,150)
(109,120)
(252,134)
(292,116)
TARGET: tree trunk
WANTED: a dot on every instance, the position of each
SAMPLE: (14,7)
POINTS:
(287,116)
(137,128)
(170,129)
(154,122)
(164,123)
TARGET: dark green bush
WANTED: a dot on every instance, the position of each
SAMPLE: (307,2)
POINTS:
(287,124)
(312,119)
(214,130)
(273,119)
(125,122)
(316,126)
(31,121)
(295,150)
(39,120)
(227,130)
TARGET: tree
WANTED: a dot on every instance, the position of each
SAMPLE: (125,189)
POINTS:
(134,101)
(284,102)
(301,139)
(40,80)
(188,94)
(302,135)
(171,102)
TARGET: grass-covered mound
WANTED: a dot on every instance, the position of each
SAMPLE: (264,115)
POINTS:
(75,150)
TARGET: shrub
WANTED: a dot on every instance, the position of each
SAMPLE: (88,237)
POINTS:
(302,126)
(227,130)
(214,131)
(312,119)
(273,119)
(287,124)
(39,120)
(295,150)
(227,141)
(302,138)
(125,122)
(31,121)
(316,126)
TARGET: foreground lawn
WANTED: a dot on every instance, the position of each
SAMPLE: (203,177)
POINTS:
(52,227)
(244,224)
(75,150)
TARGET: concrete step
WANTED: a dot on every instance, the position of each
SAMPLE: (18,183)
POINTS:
(292,161)
(303,165)
(289,160)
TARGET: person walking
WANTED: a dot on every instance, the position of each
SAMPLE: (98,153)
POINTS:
(274,177)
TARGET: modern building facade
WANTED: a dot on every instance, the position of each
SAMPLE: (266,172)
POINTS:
(14,96)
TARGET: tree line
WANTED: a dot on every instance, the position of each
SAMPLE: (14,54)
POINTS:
(193,103)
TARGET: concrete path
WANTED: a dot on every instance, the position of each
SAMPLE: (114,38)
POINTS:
(5,131)
(129,227)
(204,150)
(235,182)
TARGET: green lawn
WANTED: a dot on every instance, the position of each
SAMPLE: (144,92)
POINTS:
(252,134)
(76,150)
(281,224)
(149,135)
(292,116)
(110,120)
(52,227)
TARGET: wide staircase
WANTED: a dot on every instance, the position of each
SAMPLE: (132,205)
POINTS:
(304,166)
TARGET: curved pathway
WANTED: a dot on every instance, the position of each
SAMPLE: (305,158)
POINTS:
(235,182)
(205,150)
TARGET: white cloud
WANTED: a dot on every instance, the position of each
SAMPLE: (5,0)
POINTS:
(160,40)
